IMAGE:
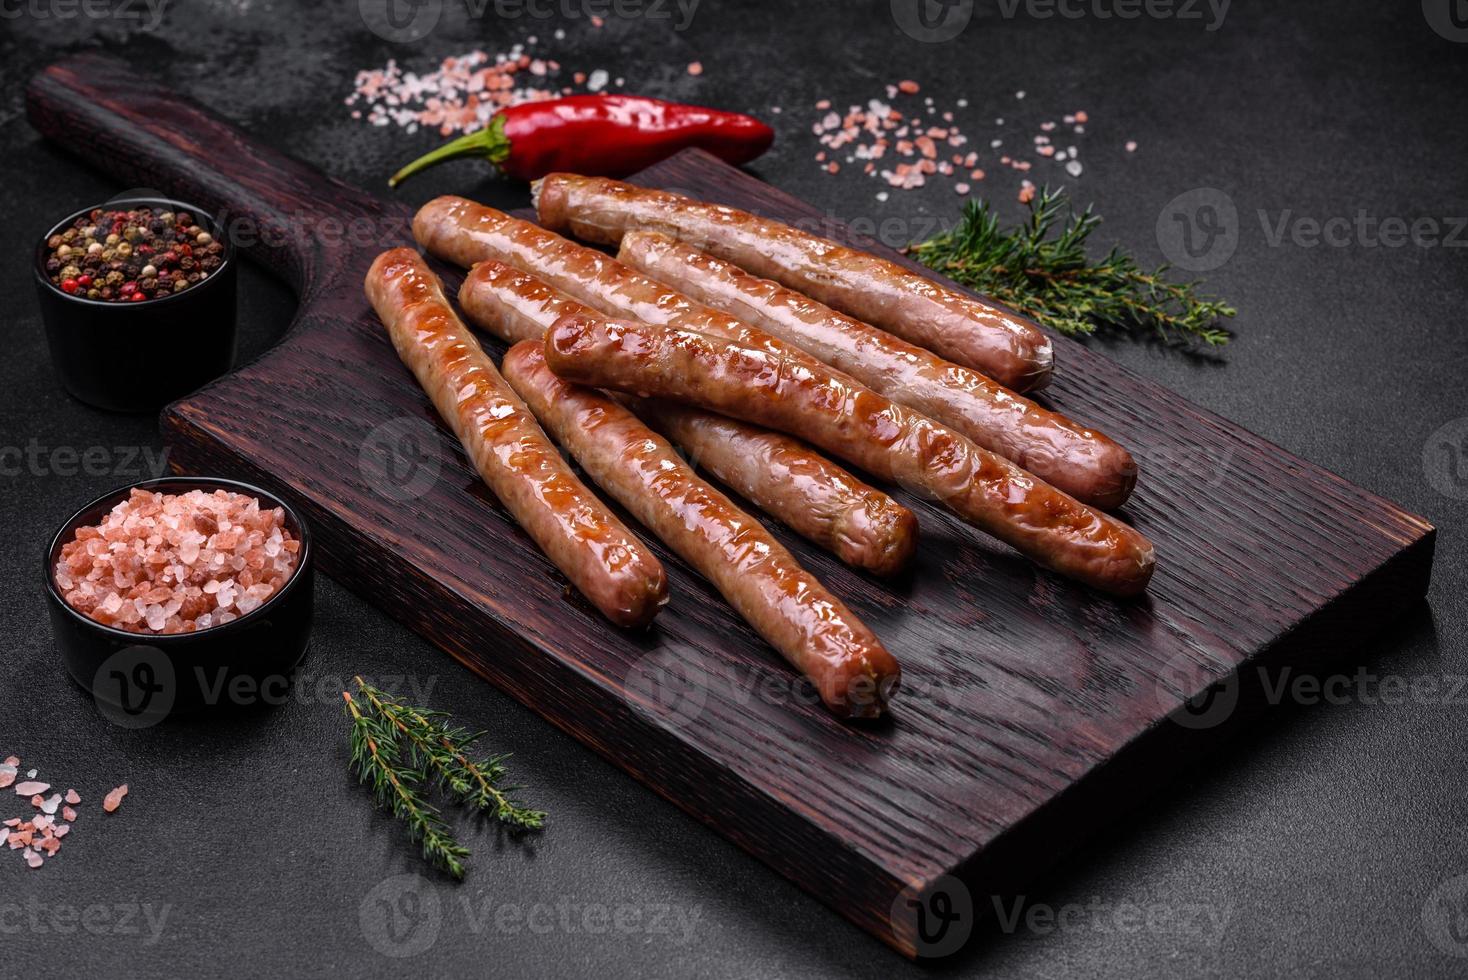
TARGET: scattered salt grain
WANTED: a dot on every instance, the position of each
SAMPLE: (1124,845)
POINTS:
(695,68)
(114,798)
(49,807)
(461,93)
(1131,146)
(916,151)
(597,80)
(29,788)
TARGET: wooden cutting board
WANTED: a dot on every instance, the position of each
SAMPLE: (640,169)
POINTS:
(1032,710)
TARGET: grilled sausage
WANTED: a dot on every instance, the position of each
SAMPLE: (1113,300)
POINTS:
(586,541)
(1003,345)
(1085,464)
(782,476)
(863,427)
(784,603)
(465,233)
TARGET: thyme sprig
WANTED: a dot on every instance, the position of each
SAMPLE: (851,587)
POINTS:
(403,752)
(1040,268)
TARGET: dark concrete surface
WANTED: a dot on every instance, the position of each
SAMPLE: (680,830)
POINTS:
(1326,842)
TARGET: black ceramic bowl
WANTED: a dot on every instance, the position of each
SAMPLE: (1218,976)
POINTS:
(138,357)
(139,679)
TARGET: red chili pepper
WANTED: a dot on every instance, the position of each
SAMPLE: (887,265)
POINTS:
(600,135)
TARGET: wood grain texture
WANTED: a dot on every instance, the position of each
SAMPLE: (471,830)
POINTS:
(1032,709)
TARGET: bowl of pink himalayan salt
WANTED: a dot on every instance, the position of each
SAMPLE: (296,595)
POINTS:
(181,593)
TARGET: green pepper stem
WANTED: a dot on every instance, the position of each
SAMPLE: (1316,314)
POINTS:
(489,143)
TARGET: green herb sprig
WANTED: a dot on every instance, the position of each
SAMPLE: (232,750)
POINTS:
(1040,268)
(404,752)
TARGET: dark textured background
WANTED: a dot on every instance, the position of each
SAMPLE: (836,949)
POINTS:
(1322,840)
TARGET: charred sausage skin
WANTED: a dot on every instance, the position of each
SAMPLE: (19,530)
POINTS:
(853,673)
(1084,463)
(862,427)
(601,557)
(783,476)
(1003,345)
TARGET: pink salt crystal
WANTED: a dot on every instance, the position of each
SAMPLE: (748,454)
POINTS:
(140,568)
(62,830)
(695,68)
(4,835)
(29,788)
(7,776)
(33,859)
(68,814)
(12,760)
(1131,146)
(49,807)
(113,799)
(73,797)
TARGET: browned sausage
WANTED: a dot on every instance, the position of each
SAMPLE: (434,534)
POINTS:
(863,427)
(596,552)
(1085,464)
(764,583)
(465,233)
(782,476)
(789,480)
(1003,345)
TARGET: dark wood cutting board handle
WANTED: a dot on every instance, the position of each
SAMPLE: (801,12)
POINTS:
(278,210)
